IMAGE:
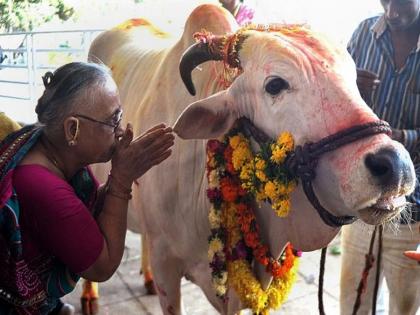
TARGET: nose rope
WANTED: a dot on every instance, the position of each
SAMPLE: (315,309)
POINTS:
(302,162)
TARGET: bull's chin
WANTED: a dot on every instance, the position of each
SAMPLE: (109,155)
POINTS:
(382,211)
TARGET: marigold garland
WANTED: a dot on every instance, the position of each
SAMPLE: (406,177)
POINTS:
(237,176)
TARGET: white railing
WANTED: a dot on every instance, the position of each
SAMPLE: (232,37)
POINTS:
(26,56)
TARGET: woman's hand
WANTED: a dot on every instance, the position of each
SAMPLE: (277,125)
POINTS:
(133,158)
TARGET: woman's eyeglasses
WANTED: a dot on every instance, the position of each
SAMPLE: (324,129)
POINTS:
(115,123)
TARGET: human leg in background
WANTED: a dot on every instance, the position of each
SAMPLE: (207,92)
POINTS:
(401,273)
(355,241)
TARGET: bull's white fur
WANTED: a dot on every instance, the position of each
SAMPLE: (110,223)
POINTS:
(170,203)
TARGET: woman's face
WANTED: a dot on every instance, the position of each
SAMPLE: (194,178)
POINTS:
(100,124)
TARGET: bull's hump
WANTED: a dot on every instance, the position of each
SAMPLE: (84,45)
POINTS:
(211,18)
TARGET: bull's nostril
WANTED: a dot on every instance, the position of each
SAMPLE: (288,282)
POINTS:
(377,166)
(386,166)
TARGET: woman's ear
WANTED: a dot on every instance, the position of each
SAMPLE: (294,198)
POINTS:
(71,130)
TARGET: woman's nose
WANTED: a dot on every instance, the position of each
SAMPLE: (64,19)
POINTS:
(119,130)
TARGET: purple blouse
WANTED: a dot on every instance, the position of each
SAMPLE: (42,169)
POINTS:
(54,221)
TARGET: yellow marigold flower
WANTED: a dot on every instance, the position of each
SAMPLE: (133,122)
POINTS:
(240,156)
(278,154)
(212,162)
(260,195)
(250,292)
(221,280)
(246,151)
(214,218)
(281,188)
(286,140)
(220,290)
(260,164)
(237,159)
(234,237)
(270,190)
(261,176)
(291,186)
(232,225)
(230,217)
(244,175)
(213,179)
(216,245)
(234,141)
(246,172)
(247,287)
(285,189)
(282,207)
(247,185)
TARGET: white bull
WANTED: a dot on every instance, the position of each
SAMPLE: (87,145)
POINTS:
(292,80)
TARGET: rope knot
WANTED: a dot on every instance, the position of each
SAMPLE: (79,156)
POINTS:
(300,162)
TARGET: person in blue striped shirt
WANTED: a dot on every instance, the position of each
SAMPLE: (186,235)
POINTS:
(386,50)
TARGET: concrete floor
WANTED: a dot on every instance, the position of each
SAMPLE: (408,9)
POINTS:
(125,294)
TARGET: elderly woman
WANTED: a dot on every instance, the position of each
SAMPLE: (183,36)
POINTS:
(56,224)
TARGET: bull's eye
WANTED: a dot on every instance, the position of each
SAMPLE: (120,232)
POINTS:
(276,85)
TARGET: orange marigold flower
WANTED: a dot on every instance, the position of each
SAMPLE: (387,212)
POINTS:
(245,224)
(276,269)
(260,254)
(251,239)
(287,264)
(227,154)
(245,228)
(229,190)
(263,260)
(246,217)
(241,207)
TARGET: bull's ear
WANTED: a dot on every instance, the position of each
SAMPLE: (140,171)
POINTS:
(206,119)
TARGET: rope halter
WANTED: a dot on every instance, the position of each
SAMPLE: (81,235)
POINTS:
(302,162)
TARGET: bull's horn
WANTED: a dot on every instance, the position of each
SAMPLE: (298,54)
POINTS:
(195,55)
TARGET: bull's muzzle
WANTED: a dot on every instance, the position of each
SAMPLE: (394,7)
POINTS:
(389,168)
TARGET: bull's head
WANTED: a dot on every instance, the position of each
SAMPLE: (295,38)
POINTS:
(294,80)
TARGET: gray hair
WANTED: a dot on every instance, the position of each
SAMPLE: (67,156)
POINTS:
(64,88)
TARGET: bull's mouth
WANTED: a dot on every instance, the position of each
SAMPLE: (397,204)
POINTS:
(383,210)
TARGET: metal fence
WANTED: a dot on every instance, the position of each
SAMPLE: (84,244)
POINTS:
(26,56)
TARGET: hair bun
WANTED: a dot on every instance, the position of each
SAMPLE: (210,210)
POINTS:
(47,78)
(40,107)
